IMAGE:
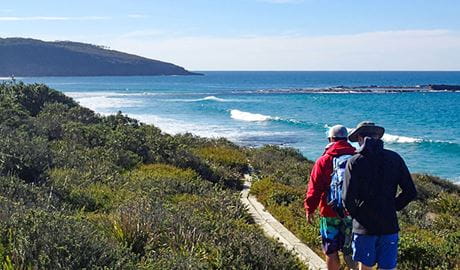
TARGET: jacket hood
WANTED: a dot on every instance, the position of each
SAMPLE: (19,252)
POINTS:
(340,148)
(371,147)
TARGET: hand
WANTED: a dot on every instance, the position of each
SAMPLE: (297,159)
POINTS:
(309,217)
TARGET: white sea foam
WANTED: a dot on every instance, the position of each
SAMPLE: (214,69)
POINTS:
(77,95)
(250,117)
(214,98)
(389,138)
(455,180)
(176,126)
(208,98)
(103,100)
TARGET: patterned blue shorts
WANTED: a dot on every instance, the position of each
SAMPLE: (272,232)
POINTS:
(336,234)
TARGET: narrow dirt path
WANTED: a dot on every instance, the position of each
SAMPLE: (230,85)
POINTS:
(274,229)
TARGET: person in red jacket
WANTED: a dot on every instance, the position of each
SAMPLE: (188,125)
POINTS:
(335,231)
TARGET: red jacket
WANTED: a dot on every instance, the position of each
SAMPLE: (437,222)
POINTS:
(320,179)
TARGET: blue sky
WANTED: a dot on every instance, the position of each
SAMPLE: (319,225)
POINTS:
(254,34)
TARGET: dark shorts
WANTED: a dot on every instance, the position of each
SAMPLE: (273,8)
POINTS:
(336,234)
(372,249)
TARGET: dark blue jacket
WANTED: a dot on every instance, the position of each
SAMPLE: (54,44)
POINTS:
(369,191)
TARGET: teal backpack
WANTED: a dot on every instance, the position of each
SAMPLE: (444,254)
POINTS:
(339,165)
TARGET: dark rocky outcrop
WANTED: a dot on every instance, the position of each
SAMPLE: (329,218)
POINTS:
(446,87)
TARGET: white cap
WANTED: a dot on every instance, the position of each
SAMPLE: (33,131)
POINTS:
(338,131)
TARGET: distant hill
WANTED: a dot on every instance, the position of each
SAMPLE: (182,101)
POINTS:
(31,57)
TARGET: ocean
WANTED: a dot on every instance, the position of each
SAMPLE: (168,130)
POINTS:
(256,108)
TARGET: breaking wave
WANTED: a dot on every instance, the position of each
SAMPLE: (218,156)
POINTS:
(98,101)
(212,98)
(251,117)
(389,138)
(257,117)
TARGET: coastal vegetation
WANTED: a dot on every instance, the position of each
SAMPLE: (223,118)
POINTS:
(429,237)
(79,190)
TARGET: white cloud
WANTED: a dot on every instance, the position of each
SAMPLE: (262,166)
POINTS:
(52,18)
(390,50)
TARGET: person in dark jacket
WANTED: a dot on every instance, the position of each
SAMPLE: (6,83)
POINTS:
(370,196)
(335,231)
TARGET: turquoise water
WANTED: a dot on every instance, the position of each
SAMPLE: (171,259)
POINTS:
(422,127)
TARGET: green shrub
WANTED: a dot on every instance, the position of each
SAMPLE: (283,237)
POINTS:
(2,255)
(421,249)
(93,190)
(260,188)
(446,203)
(285,196)
(86,135)
(188,140)
(24,155)
(83,115)
(416,214)
(42,240)
(33,97)
(184,158)
(51,119)
(429,186)
(138,223)
(161,171)
(161,146)
(273,193)
(118,120)
(226,156)
(12,115)
(284,165)
(55,119)
(20,192)
(8,208)
(245,249)
(98,162)
(161,180)
(227,163)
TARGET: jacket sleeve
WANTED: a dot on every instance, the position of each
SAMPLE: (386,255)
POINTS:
(316,187)
(408,191)
(350,189)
